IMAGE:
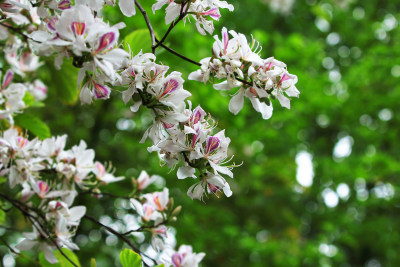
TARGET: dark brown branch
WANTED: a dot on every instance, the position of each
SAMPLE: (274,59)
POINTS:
(179,55)
(151,31)
(121,236)
(109,229)
(144,227)
(40,227)
(103,194)
(182,14)
(9,247)
(16,30)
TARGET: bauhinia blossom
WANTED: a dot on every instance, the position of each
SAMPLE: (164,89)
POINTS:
(259,80)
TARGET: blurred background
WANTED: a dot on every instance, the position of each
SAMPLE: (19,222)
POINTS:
(319,184)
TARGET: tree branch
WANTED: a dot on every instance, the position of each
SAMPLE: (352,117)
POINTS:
(151,31)
(182,14)
(121,236)
(40,227)
(178,54)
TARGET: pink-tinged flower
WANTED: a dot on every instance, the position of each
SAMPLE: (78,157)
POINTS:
(101,91)
(106,41)
(7,79)
(212,144)
(214,13)
(159,200)
(78,27)
(65,4)
(160,230)
(148,212)
(144,180)
(177,259)
(43,189)
(102,174)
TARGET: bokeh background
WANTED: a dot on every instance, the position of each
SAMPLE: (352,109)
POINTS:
(319,184)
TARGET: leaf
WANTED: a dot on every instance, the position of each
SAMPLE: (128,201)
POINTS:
(34,125)
(62,261)
(129,258)
(28,99)
(139,40)
(64,81)
(2,216)
(93,262)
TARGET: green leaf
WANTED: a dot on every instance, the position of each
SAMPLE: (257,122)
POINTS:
(139,40)
(62,261)
(2,216)
(129,258)
(93,262)
(28,99)
(33,124)
(64,81)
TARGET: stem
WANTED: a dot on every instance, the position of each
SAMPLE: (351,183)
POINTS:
(40,227)
(121,236)
(179,55)
(182,14)
(140,229)
(151,31)
(16,30)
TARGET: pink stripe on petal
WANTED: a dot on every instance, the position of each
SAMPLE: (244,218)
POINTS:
(214,13)
(284,78)
(197,115)
(105,41)
(100,169)
(43,188)
(167,125)
(65,4)
(226,40)
(51,24)
(78,27)
(101,91)
(212,144)
(177,259)
(170,87)
(7,79)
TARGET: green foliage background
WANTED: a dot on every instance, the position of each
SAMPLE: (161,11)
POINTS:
(270,220)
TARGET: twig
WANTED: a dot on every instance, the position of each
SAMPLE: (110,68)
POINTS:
(178,54)
(151,31)
(9,247)
(24,210)
(109,229)
(123,238)
(182,14)
(140,229)
(103,194)
(16,30)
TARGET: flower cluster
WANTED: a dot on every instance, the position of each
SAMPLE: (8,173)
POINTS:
(200,10)
(178,134)
(12,95)
(92,44)
(46,176)
(259,79)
